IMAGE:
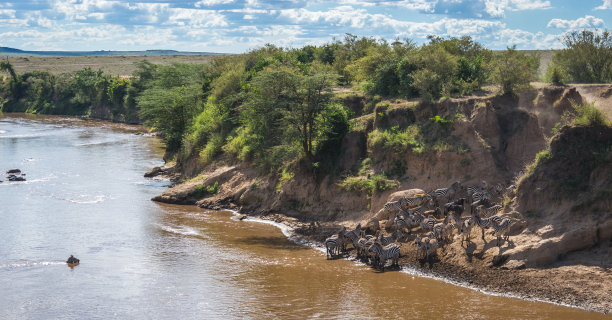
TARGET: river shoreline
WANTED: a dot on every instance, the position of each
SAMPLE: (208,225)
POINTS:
(531,284)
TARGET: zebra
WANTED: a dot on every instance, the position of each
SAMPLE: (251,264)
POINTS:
(390,239)
(364,242)
(333,245)
(353,235)
(485,202)
(420,246)
(475,189)
(438,230)
(412,202)
(485,212)
(419,210)
(448,192)
(393,205)
(501,230)
(498,188)
(510,190)
(384,253)
(483,223)
(464,227)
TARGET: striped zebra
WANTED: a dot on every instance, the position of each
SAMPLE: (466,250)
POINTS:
(511,189)
(475,189)
(501,230)
(419,210)
(353,235)
(384,253)
(393,205)
(412,202)
(420,245)
(390,239)
(497,189)
(333,246)
(446,192)
(486,212)
(464,227)
(483,223)
(364,242)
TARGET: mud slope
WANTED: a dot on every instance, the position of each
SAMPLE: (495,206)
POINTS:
(567,200)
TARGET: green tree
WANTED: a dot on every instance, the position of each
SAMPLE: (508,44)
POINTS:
(514,70)
(587,58)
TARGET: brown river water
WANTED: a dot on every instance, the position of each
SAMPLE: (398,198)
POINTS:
(85,195)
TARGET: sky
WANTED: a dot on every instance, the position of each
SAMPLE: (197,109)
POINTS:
(232,26)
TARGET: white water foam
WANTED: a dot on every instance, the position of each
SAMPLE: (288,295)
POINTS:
(290,234)
(186,231)
(30,264)
(83,199)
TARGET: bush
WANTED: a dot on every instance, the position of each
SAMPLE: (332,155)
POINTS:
(397,140)
(370,184)
(588,115)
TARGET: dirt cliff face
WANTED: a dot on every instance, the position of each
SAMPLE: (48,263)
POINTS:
(498,137)
(567,198)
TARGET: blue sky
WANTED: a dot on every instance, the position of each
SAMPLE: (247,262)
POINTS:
(237,26)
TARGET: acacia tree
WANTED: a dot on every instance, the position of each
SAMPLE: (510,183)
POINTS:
(288,104)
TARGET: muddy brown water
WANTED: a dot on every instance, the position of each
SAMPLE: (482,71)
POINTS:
(85,195)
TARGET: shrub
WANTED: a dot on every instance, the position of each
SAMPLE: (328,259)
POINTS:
(370,184)
(514,70)
(588,115)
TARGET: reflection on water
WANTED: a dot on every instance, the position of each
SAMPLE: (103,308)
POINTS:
(86,196)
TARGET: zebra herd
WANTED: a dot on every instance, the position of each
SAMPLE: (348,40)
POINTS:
(434,225)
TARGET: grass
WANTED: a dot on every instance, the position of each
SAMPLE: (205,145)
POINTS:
(119,65)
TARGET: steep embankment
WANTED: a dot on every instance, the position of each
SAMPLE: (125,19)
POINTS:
(559,246)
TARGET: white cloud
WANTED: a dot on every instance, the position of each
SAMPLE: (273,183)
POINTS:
(208,3)
(196,18)
(586,22)
(606,5)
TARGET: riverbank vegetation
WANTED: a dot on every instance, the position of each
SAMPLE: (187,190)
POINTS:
(274,106)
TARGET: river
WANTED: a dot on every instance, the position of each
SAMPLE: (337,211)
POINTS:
(85,195)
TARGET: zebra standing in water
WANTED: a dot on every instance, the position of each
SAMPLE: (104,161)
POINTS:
(446,192)
(334,244)
(391,251)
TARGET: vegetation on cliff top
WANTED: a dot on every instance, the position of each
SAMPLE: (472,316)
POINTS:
(272,106)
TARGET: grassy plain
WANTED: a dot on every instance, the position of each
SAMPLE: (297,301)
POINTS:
(119,65)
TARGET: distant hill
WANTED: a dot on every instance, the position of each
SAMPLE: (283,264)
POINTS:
(12,52)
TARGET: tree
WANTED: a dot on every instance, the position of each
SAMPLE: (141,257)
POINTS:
(514,70)
(290,105)
(587,58)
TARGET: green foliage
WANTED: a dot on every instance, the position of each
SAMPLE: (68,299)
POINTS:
(285,177)
(205,191)
(370,184)
(587,57)
(397,140)
(588,115)
(441,120)
(211,149)
(514,70)
(556,75)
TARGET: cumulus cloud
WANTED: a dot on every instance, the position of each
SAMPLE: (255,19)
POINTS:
(606,5)
(587,22)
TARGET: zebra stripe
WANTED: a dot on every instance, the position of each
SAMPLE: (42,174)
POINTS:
(501,230)
(391,251)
